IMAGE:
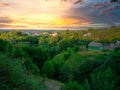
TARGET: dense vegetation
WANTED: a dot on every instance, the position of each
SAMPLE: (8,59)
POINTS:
(64,57)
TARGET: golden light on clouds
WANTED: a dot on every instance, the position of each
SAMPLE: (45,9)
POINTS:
(42,21)
(54,14)
(38,14)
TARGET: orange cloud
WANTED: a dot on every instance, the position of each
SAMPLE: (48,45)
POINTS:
(70,21)
(42,21)
(38,14)
(3,4)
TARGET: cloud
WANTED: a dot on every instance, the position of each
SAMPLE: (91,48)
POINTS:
(95,13)
(52,14)
(2,25)
(5,20)
(79,2)
(3,4)
(105,8)
(101,5)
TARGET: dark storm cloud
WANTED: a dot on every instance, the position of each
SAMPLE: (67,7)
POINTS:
(105,15)
(74,1)
(79,2)
(106,7)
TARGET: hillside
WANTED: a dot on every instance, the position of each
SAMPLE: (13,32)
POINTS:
(51,60)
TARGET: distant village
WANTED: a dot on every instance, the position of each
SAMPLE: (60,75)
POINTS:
(41,33)
(91,46)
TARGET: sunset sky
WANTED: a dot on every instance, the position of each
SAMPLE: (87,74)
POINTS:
(54,14)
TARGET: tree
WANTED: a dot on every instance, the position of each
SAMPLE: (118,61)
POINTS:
(66,73)
(14,77)
(19,53)
(103,80)
(37,54)
(65,43)
(85,68)
(48,69)
(68,53)
(5,47)
(32,40)
(72,85)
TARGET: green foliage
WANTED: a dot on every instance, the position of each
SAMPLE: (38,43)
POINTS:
(65,43)
(68,53)
(32,40)
(63,57)
(66,73)
(38,55)
(104,42)
(48,69)
(19,53)
(85,68)
(76,48)
(5,46)
(14,77)
(73,86)
(30,66)
(115,61)
(103,80)
(58,61)
(86,85)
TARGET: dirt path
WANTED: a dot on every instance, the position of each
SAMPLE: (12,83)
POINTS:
(52,84)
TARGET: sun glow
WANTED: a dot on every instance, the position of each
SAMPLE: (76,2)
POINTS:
(37,14)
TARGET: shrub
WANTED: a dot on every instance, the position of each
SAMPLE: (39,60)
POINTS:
(48,69)
(14,77)
(103,80)
(73,86)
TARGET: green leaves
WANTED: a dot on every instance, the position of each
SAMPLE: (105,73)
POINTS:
(103,80)
(14,77)
(72,85)
(48,69)
(5,46)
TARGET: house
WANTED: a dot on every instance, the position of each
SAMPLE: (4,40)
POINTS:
(36,34)
(99,46)
(111,46)
(54,34)
(95,46)
(117,43)
(87,34)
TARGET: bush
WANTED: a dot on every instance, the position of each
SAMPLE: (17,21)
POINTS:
(103,80)
(66,73)
(14,77)
(73,86)
(48,69)
(85,68)
(5,47)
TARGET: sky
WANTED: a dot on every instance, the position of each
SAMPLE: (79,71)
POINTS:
(54,14)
